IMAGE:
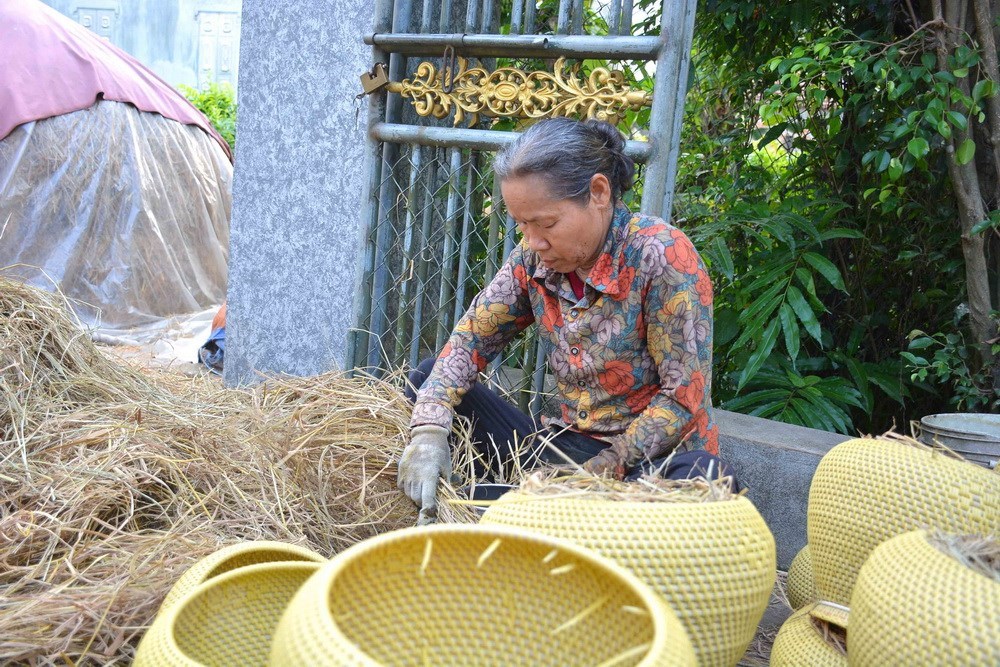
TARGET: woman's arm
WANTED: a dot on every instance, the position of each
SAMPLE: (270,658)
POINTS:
(678,311)
(497,314)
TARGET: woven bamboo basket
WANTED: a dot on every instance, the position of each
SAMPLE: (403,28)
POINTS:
(227,620)
(232,557)
(800,587)
(475,595)
(916,605)
(802,641)
(714,562)
(866,491)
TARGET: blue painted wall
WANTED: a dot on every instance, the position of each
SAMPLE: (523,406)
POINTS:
(184,41)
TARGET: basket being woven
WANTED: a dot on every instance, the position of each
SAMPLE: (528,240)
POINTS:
(800,587)
(801,642)
(714,562)
(475,595)
(232,557)
(916,605)
(227,620)
(866,491)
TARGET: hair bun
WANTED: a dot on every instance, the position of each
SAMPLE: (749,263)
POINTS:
(612,137)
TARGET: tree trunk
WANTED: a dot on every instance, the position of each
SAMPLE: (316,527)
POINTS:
(971,208)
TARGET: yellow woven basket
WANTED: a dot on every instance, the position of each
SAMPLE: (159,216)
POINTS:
(799,586)
(800,643)
(915,605)
(714,562)
(228,620)
(474,595)
(232,557)
(867,491)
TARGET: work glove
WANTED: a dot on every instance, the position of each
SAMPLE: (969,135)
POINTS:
(424,460)
(606,464)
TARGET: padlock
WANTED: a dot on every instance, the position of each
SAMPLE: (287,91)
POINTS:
(374,80)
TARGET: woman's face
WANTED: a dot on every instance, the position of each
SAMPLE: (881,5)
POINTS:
(566,235)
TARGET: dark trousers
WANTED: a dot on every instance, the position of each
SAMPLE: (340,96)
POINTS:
(496,425)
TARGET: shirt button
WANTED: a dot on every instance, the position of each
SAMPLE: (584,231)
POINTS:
(574,350)
(582,383)
(583,414)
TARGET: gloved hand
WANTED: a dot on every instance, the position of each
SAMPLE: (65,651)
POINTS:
(424,460)
(607,464)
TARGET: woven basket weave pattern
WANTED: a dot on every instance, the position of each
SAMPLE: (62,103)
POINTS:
(228,620)
(232,557)
(475,596)
(799,586)
(800,643)
(713,562)
(867,491)
(915,605)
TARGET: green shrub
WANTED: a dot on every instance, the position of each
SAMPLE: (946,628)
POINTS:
(218,103)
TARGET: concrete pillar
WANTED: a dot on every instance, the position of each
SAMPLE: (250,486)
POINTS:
(298,222)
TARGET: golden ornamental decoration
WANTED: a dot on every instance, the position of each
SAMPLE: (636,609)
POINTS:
(511,92)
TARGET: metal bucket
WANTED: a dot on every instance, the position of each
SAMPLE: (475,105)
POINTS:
(976,436)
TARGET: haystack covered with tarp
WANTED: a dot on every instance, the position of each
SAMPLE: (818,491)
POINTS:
(113,188)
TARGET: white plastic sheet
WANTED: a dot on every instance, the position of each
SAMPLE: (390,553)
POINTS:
(126,212)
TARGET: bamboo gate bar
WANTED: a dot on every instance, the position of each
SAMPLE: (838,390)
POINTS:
(437,231)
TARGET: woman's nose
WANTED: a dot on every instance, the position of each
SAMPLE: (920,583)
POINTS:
(537,243)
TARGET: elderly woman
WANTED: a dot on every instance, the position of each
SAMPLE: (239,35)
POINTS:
(623,299)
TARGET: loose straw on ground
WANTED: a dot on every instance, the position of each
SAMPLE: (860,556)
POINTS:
(115,479)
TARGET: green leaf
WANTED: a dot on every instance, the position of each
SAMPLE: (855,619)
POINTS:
(790,327)
(895,169)
(944,129)
(958,119)
(804,312)
(724,257)
(772,133)
(918,147)
(966,151)
(756,398)
(982,89)
(806,279)
(961,72)
(827,268)
(981,226)
(840,233)
(860,378)
(920,343)
(764,348)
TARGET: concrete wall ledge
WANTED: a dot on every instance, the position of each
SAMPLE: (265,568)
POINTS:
(775,462)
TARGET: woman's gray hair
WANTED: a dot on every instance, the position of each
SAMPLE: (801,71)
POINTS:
(566,154)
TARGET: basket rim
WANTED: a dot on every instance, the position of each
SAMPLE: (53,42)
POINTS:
(165,624)
(319,586)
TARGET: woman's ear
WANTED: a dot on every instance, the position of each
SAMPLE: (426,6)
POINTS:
(600,190)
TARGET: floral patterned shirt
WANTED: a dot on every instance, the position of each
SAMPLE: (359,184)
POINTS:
(632,359)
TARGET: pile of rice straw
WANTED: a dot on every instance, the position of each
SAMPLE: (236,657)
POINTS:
(115,479)
(980,553)
(557,482)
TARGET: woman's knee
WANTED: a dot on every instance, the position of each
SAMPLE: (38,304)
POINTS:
(417,377)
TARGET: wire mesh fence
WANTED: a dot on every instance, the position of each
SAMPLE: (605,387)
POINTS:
(441,231)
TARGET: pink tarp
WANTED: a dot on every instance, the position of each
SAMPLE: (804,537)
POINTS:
(51,65)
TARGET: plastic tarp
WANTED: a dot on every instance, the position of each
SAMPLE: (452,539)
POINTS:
(126,212)
(53,65)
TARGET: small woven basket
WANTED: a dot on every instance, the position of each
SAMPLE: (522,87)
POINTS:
(800,587)
(801,642)
(232,557)
(916,605)
(227,620)
(714,562)
(866,491)
(472,595)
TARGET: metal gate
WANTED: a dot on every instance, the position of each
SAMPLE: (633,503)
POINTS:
(462,77)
